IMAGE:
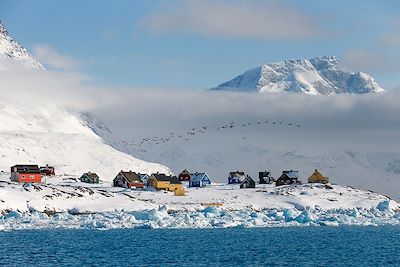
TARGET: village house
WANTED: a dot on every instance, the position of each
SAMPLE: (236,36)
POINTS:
(288,177)
(248,182)
(90,178)
(236,177)
(128,180)
(265,177)
(160,181)
(199,180)
(26,174)
(47,170)
(184,176)
(317,177)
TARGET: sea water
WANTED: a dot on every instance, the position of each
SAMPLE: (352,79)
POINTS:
(286,246)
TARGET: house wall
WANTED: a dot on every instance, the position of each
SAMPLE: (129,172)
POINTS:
(284,180)
(248,184)
(234,180)
(184,177)
(137,185)
(47,170)
(14,176)
(87,179)
(84,179)
(119,181)
(206,181)
(29,178)
(159,184)
(318,178)
(194,183)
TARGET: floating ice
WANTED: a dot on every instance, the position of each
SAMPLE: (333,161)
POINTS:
(211,217)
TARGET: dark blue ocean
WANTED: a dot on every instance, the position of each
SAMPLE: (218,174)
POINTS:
(300,246)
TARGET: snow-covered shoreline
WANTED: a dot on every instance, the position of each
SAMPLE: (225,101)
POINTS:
(65,203)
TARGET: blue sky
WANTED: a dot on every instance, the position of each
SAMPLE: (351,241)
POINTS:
(199,44)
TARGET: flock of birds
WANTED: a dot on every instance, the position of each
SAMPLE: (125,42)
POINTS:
(186,136)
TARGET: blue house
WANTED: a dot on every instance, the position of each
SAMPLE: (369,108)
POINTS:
(236,177)
(199,180)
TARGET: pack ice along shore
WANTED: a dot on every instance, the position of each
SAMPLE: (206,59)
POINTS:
(190,201)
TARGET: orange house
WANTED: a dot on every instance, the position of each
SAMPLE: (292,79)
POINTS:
(26,174)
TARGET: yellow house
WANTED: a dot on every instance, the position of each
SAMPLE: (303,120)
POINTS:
(317,177)
(160,181)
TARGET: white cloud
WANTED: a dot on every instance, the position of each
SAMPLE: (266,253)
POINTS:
(272,20)
(66,89)
(53,59)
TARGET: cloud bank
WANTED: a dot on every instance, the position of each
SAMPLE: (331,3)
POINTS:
(140,112)
(54,59)
(268,20)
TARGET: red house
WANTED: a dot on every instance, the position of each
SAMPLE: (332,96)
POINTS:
(26,174)
(184,176)
(128,180)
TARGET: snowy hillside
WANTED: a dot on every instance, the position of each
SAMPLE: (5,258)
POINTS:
(316,76)
(65,203)
(52,135)
(10,50)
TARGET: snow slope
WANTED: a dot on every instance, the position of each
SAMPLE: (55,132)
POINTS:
(65,203)
(52,135)
(316,76)
(10,50)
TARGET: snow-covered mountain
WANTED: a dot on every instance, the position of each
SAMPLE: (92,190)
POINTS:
(316,76)
(52,135)
(43,133)
(12,51)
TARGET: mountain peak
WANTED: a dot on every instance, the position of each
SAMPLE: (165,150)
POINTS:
(321,75)
(13,52)
(2,28)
